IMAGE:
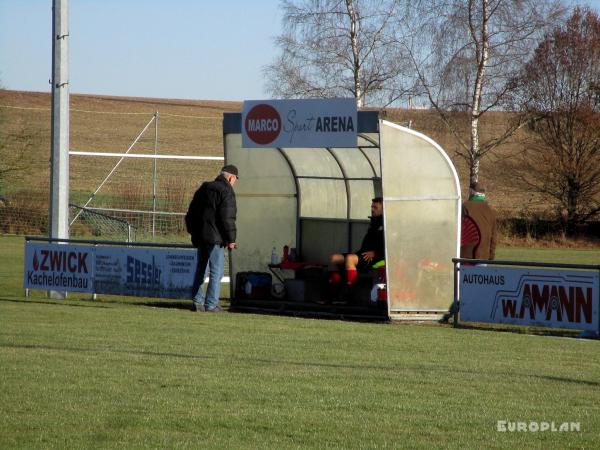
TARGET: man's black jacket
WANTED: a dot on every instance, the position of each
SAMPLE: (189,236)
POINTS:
(212,212)
(374,240)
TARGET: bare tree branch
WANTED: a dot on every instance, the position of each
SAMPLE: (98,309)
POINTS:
(472,52)
(558,87)
(335,48)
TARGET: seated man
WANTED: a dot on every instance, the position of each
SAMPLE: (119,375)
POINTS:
(371,251)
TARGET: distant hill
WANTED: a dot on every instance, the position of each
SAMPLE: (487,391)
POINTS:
(190,127)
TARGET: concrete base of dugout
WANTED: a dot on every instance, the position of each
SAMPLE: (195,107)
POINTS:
(309,309)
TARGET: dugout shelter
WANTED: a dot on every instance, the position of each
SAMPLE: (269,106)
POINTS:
(317,200)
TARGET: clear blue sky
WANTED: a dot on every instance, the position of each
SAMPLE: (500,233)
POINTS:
(188,49)
(191,49)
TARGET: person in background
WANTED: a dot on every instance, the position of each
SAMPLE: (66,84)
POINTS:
(210,220)
(478,232)
(483,216)
(371,251)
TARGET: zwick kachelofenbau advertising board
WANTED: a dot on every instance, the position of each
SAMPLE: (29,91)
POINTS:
(144,272)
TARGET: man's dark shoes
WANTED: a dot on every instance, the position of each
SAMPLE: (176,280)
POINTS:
(344,295)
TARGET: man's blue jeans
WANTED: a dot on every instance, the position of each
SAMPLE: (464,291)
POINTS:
(211,258)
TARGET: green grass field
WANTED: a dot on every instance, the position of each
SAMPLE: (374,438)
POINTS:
(115,373)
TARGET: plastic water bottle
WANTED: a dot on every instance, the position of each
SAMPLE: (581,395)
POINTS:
(248,288)
(274,256)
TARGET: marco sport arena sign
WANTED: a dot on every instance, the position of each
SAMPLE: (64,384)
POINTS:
(143,272)
(530,297)
(299,123)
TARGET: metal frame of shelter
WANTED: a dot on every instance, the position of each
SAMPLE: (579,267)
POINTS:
(318,201)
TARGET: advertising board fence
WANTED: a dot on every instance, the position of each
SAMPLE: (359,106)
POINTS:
(529,294)
(142,270)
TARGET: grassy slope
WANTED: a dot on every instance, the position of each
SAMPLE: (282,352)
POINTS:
(111,124)
(552,255)
(188,127)
(105,374)
(194,127)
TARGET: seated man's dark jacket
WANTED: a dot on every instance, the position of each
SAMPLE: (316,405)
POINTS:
(374,239)
(212,212)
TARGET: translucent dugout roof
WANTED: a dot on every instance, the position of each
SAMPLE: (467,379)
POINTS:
(317,200)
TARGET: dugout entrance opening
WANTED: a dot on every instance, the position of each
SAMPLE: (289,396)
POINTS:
(317,201)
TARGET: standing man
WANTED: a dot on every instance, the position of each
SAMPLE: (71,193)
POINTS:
(479,211)
(478,232)
(211,222)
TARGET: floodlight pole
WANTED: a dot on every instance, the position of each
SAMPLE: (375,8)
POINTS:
(59,165)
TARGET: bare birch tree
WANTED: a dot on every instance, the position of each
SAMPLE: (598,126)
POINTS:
(340,48)
(466,57)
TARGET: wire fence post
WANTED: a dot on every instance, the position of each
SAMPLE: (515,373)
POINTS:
(94,295)
(455,303)
(154,175)
(26,289)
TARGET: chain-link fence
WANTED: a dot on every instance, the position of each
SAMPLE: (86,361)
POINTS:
(94,223)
